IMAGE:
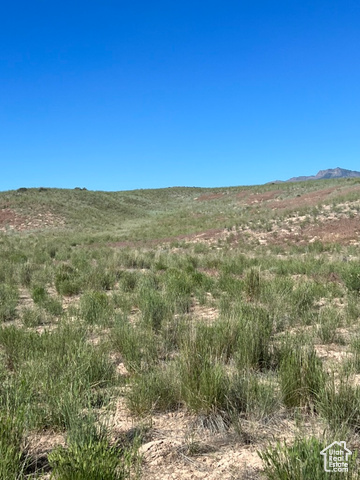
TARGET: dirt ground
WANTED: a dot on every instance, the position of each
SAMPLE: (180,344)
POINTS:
(12,220)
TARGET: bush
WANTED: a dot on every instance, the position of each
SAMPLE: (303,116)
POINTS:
(231,285)
(303,298)
(219,339)
(55,374)
(41,297)
(329,321)
(17,344)
(355,349)
(122,301)
(90,455)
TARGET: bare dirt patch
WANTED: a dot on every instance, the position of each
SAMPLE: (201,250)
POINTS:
(10,220)
(181,449)
(203,312)
(342,230)
(311,198)
(39,445)
(178,446)
(262,197)
(13,220)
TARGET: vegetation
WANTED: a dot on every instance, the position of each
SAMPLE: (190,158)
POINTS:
(228,305)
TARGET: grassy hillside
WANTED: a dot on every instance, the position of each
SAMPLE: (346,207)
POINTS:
(179,333)
(153,214)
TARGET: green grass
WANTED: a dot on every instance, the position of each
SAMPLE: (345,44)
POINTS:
(301,461)
(55,374)
(8,302)
(13,461)
(138,346)
(154,391)
(224,330)
(90,455)
(96,308)
(339,405)
(301,376)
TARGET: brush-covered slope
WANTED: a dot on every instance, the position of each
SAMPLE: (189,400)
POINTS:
(172,212)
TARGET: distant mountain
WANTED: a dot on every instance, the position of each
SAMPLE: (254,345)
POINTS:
(325,174)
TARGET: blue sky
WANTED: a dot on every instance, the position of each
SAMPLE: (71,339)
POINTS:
(118,95)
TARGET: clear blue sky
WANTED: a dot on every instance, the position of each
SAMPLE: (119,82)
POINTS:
(117,95)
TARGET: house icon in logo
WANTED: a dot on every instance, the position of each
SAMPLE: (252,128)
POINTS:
(336,457)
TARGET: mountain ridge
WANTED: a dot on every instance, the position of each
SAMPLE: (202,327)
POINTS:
(324,175)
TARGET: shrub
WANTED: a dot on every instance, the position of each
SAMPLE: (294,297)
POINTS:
(352,308)
(100,279)
(231,285)
(90,455)
(220,339)
(303,298)
(41,297)
(56,374)
(173,332)
(355,348)
(17,343)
